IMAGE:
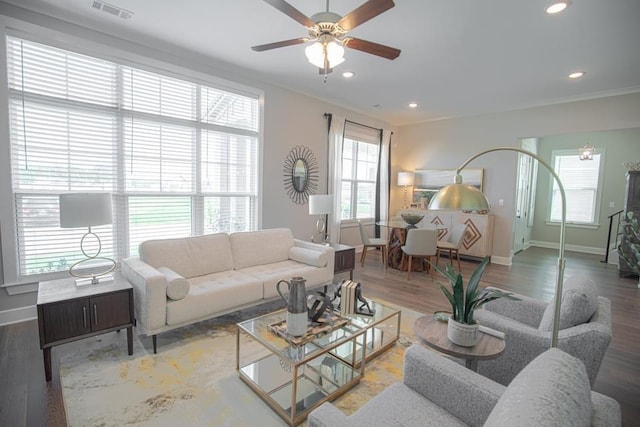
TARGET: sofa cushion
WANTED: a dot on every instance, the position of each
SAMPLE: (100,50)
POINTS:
(271,274)
(189,256)
(214,293)
(308,256)
(177,286)
(553,389)
(579,302)
(260,247)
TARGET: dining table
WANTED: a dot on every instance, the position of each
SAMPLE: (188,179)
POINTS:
(397,236)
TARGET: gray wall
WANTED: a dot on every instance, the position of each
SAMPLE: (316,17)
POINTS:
(619,146)
(447,143)
(290,118)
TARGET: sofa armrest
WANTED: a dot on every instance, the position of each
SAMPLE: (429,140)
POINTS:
(150,294)
(528,310)
(456,389)
(605,411)
(327,415)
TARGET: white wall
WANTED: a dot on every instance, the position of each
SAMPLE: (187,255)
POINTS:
(448,143)
(290,118)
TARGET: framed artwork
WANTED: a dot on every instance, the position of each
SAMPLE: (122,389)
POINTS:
(429,181)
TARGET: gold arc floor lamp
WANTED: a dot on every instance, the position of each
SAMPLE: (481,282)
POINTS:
(459,196)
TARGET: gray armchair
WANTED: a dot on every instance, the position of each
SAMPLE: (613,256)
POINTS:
(436,391)
(585,329)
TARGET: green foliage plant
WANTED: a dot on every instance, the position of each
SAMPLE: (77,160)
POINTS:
(464,303)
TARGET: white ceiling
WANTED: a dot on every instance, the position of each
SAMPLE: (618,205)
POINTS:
(459,57)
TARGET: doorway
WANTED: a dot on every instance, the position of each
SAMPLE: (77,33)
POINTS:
(525,195)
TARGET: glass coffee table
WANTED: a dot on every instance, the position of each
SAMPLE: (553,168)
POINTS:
(294,380)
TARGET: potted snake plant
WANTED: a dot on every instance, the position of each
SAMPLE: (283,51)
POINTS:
(462,329)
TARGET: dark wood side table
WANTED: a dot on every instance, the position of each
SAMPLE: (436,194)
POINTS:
(433,333)
(345,259)
(67,312)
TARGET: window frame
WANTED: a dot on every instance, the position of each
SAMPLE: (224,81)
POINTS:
(353,183)
(8,222)
(595,224)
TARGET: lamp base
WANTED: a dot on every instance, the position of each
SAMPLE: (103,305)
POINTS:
(95,280)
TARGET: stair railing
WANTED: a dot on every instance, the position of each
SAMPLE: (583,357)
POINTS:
(613,217)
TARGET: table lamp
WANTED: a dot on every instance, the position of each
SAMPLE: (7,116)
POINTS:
(87,210)
(321,204)
(459,196)
(406,179)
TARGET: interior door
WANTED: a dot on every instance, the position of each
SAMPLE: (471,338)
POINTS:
(524,195)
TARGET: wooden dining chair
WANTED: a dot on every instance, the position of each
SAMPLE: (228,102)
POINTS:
(372,242)
(452,245)
(420,243)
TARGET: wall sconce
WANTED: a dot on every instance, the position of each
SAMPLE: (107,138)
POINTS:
(406,179)
(586,152)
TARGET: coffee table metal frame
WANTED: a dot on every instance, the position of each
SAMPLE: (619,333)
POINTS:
(296,380)
(293,380)
(382,330)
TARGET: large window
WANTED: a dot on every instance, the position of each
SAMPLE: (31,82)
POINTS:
(581,181)
(180,158)
(359,171)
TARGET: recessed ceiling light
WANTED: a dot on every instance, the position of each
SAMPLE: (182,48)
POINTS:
(413,104)
(557,7)
(348,74)
(576,75)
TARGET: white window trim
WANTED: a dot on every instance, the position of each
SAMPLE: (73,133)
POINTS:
(572,224)
(100,49)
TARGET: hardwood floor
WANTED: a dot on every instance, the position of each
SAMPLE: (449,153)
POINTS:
(27,400)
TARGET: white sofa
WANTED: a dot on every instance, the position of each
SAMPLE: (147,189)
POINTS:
(182,281)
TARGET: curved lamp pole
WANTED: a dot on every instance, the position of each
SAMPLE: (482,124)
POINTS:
(459,196)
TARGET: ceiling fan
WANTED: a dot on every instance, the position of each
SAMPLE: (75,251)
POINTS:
(328,31)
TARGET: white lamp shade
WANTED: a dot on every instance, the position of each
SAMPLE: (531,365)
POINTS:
(85,209)
(406,178)
(320,204)
(315,54)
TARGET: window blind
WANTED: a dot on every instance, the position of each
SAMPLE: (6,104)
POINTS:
(179,157)
(580,179)
(359,170)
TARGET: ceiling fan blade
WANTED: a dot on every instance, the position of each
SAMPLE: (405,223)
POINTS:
(276,45)
(372,48)
(364,12)
(292,12)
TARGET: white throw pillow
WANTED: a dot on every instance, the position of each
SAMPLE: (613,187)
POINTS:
(177,286)
(579,302)
(552,390)
(308,256)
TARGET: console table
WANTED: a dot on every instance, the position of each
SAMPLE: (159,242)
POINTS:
(67,312)
(477,241)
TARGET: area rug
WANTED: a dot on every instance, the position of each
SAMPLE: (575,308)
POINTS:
(192,380)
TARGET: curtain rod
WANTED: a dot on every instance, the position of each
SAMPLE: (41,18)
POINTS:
(330,116)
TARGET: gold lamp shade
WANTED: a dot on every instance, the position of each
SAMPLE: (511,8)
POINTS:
(460,196)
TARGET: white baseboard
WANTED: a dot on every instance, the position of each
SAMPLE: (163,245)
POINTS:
(16,315)
(501,260)
(575,248)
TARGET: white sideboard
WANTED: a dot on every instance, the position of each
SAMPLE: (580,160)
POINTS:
(478,240)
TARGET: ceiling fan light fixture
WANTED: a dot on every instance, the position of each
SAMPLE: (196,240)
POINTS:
(316,52)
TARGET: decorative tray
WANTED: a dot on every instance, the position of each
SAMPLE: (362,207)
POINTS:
(326,323)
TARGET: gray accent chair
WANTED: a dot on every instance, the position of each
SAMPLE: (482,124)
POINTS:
(585,329)
(553,390)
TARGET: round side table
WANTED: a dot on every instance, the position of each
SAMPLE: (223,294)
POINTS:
(433,333)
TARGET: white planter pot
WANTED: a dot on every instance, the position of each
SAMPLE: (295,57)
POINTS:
(461,334)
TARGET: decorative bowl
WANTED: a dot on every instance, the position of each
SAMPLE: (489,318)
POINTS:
(411,219)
